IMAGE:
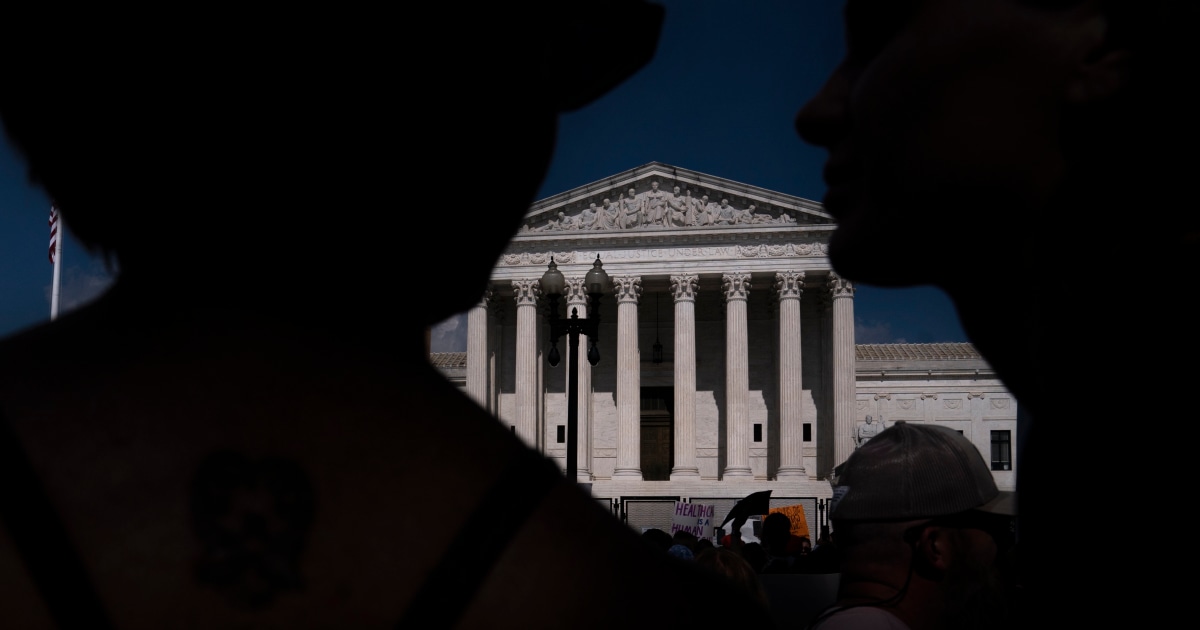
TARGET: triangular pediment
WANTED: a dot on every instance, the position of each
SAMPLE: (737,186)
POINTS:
(643,233)
(628,202)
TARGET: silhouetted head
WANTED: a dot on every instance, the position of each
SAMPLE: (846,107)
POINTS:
(315,153)
(776,530)
(957,124)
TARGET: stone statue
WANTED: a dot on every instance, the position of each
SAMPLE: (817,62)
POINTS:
(704,215)
(655,206)
(608,217)
(679,209)
(744,216)
(724,213)
(866,430)
(692,204)
(631,211)
(587,218)
(761,217)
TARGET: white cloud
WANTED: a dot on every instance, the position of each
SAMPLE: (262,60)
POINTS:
(874,332)
(449,335)
(79,286)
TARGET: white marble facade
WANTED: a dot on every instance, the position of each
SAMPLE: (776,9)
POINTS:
(761,384)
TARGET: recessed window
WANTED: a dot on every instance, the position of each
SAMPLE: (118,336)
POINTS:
(757,432)
(807,431)
(562,433)
(1001,450)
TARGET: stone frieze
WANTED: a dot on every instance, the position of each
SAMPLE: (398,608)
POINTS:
(785,250)
(658,209)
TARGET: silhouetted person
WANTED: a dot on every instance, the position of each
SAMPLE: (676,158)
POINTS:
(825,558)
(245,430)
(924,533)
(782,546)
(657,538)
(685,538)
(976,146)
(736,569)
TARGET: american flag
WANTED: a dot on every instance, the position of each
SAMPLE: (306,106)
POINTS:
(53,231)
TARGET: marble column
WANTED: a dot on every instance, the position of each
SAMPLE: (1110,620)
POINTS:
(825,460)
(629,380)
(788,286)
(477,350)
(683,288)
(577,300)
(526,293)
(842,293)
(736,287)
(495,358)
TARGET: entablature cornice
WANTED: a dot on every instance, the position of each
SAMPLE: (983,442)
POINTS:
(672,244)
(650,236)
(871,373)
(755,253)
(925,365)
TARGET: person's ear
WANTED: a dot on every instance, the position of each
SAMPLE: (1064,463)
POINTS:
(933,551)
(1103,66)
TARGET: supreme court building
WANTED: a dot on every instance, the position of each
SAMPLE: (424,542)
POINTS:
(728,362)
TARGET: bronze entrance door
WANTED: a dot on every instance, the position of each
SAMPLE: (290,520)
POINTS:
(658,454)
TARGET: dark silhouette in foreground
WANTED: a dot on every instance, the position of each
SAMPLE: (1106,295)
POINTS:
(264,184)
(1022,155)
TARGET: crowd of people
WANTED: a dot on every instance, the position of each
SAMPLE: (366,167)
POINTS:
(925,540)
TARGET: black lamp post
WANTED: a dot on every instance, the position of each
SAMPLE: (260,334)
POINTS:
(596,283)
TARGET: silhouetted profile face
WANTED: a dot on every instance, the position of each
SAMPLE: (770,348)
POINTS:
(942,124)
(973,587)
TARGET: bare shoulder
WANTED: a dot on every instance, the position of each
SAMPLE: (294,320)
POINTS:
(236,477)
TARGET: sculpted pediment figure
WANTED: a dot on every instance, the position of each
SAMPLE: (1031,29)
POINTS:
(683,207)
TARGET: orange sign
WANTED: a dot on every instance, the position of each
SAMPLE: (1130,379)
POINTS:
(795,514)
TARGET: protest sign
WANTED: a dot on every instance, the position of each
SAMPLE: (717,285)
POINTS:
(694,518)
(795,514)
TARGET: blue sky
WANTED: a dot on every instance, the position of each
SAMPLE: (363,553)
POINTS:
(719,98)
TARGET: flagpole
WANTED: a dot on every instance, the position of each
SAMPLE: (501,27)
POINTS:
(57,265)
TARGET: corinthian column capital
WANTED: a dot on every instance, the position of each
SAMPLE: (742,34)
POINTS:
(627,288)
(684,287)
(576,296)
(789,284)
(526,292)
(485,299)
(839,286)
(736,286)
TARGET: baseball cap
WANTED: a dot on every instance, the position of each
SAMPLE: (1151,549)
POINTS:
(913,471)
